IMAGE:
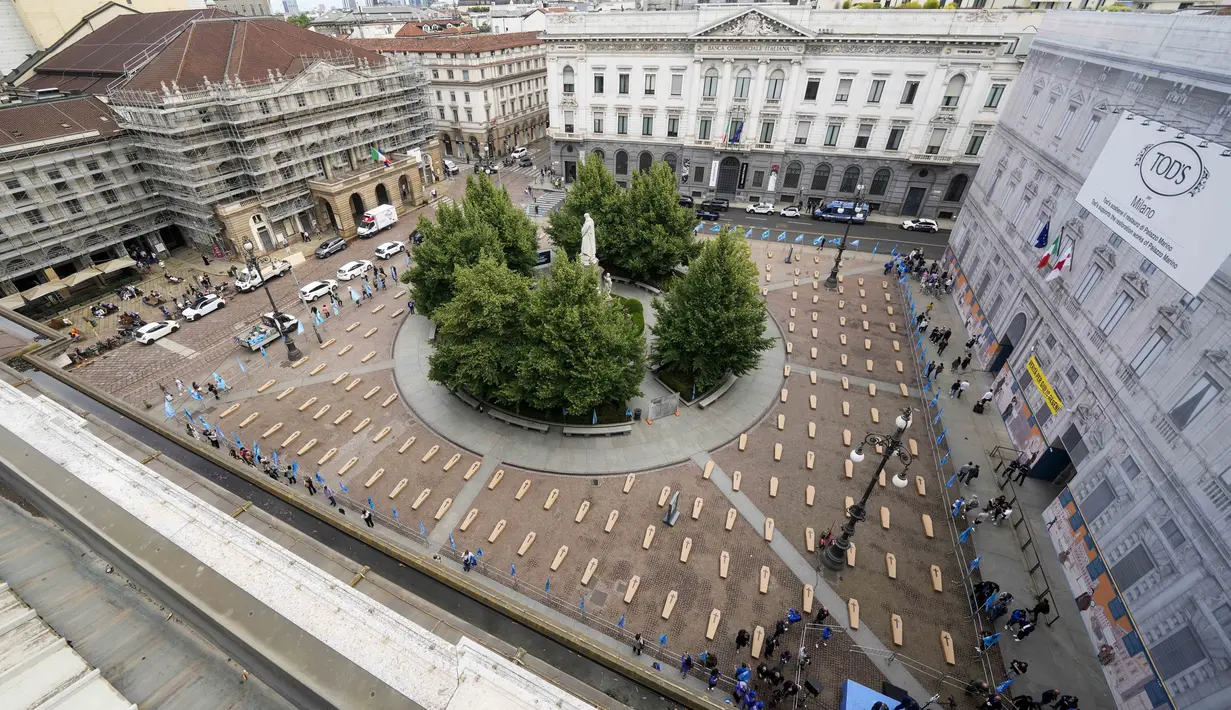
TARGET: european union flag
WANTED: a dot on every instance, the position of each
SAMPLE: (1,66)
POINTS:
(168,409)
(238,443)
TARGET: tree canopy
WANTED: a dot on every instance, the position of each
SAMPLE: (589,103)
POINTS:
(712,322)
(300,20)
(486,222)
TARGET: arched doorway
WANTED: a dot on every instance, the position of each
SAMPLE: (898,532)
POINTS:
(382,194)
(356,207)
(728,176)
(447,144)
(1012,337)
(474,146)
(333,220)
(644,161)
(404,188)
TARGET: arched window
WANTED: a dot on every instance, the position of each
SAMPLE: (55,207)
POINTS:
(957,188)
(790,180)
(709,85)
(644,161)
(598,153)
(953,92)
(850,179)
(820,177)
(621,162)
(773,90)
(669,159)
(743,82)
(568,80)
(880,182)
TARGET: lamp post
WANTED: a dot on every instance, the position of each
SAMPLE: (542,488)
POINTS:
(292,352)
(832,281)
(835,552)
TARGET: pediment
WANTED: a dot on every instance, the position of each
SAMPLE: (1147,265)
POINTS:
(753,23)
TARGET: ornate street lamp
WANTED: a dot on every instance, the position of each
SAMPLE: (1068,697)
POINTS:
(292,352)
(835,552)
(832,281)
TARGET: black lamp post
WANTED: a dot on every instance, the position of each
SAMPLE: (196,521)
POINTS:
(292,352)
(832,281)
(835,552)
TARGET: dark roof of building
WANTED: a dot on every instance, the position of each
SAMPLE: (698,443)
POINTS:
(460,45)
(28,123)
(247,48)
(423,29)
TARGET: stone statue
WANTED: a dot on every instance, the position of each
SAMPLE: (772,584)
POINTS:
(588,255)
(607,283)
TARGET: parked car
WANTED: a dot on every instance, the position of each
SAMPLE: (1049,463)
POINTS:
(316,289)
(720,204)
(789,211)
(248,279)
(685,201)
(329,247)
(449,166)
(388,249)
(203,306)
(150,332)
(706,213)
(290,323)
(268,330)
(376,219)
(354,269)
(921,225)
(487,167)
(760,208)
(519,152)
(525,162)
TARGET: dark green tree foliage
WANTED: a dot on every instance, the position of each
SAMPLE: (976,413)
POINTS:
(594,191)
(485,222)
(712,321)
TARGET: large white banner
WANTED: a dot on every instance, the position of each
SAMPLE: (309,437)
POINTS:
(1166,195)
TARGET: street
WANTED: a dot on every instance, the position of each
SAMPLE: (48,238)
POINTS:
(873,235)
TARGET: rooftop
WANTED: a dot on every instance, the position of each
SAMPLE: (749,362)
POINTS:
(435,28)
(24,124)
(467,45)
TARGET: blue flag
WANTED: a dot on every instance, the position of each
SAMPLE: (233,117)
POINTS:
(168,409)
(662,640)
(951,481)
(836,240)
(876,247)
(547,587)
(799,239)
(452,545)
(594,419)
(698,227)
(319,478)
(782,237)
(937,417)
(854,243)
(583,603)
(342,485)
(946,458)
(989,641)
(300,327)
(1040,242)
(716,228)
(335,308)
(957,506)
(422,530)
(987,606)
(371,505)
(934,398)
(396,516)
(263,353)
(927,386)
(965,536)
(512,570)
(294,468)
(238,443)
(765,235)
(275,458)
(241,365)
(974,564)
(319,319)
(478,552)
(222,384)
(195,395)
(204,423)
(942,435)
(256,448)
(902,280)
(818,240)
(620,623)
(1004,686)
(189,415)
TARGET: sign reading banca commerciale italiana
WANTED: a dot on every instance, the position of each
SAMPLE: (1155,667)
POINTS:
(1165,193)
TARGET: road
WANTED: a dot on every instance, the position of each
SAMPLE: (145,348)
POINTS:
(873,235)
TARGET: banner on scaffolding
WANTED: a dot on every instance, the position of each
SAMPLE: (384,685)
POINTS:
(1050,398)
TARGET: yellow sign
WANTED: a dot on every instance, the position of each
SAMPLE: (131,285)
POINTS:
(1040,380)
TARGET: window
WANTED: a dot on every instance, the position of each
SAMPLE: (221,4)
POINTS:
(850,179)
(1095,502)
(1072,375)
(864,135)
(1113,315)
(1147,267)
(264,106)
(880,182)
(466,96)
(622,124)
(469,114)
(598,83)
(441,110)
(623,79)
(790,180)
(435,74)
(110,197)
(1130,467)
(957,188)
(1030,102)
(991,189)
(1051,104)
(895,138)
(1004,198)
(976,142)
(332,94)
(598,125)
(844,91)
(454,115)
(1132,567)
(810,91)
(1194,401)
(677,84)
(74,206)
(767,131)
(953,91)
(758,178)
(709,85)
(287,173)
(773,90)
(621,163)
(301,100)
(568,121)
(647,125)
(1091,127)
(439,97)
(908,92)
(831,133)
(673,127)
(703,129)
(936,141)
(1222,614)
(1064,122)
(1191,303)
(698,174)
(1171,531)
(1022,206)
(994,95)
(449,72)
(742,84)
(1177,653)
(650,82)
(1113,239)
(453,96)
(465,75)
(820,177)
(1088,282)
(875,91)
(20,196)
(645,161)
(34,217)
(802,129)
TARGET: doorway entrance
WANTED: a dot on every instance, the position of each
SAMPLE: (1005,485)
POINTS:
(914,201)
(570,171)
(728,176)
(1009,341)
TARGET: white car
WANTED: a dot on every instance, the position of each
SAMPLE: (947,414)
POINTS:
(150,332)
(920,225)
(760,208)
(316,289)
(790,211)
(450,167)
(354,269)
(518,152)
(204,306)
(388,249)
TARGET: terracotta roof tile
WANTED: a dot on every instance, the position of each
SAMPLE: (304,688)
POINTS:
(470,45)
(415,29)
(26,123)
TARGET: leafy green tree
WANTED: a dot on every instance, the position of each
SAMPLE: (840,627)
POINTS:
(485,222)
(481,331)
(594,191)
(300,20)
(583,350)
(712,322)
(658,233)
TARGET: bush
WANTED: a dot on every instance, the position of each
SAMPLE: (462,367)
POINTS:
(636,310)
(931,4)
(868,6)
(846,4)
(1116,8)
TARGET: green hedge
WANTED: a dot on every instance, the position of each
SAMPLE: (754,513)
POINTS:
(636,309)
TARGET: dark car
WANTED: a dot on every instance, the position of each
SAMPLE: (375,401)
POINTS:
(329,247)
(416,237)
(708,214)
(525,162)
(720,204)
(685,201)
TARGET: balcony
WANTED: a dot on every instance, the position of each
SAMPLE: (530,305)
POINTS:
(935,159)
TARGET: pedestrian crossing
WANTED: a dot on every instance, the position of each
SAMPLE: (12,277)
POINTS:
(445,199)
(528,171)
(545,203)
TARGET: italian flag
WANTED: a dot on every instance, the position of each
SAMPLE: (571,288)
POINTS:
(1052,254)
(1064,261)
(380,157)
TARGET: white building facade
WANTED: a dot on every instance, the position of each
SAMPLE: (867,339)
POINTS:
(1141,366)
(787,104)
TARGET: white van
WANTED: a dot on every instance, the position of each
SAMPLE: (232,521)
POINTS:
(376,219)
(449,166)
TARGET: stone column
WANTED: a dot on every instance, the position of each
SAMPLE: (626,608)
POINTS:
(726,88)
(789,104)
